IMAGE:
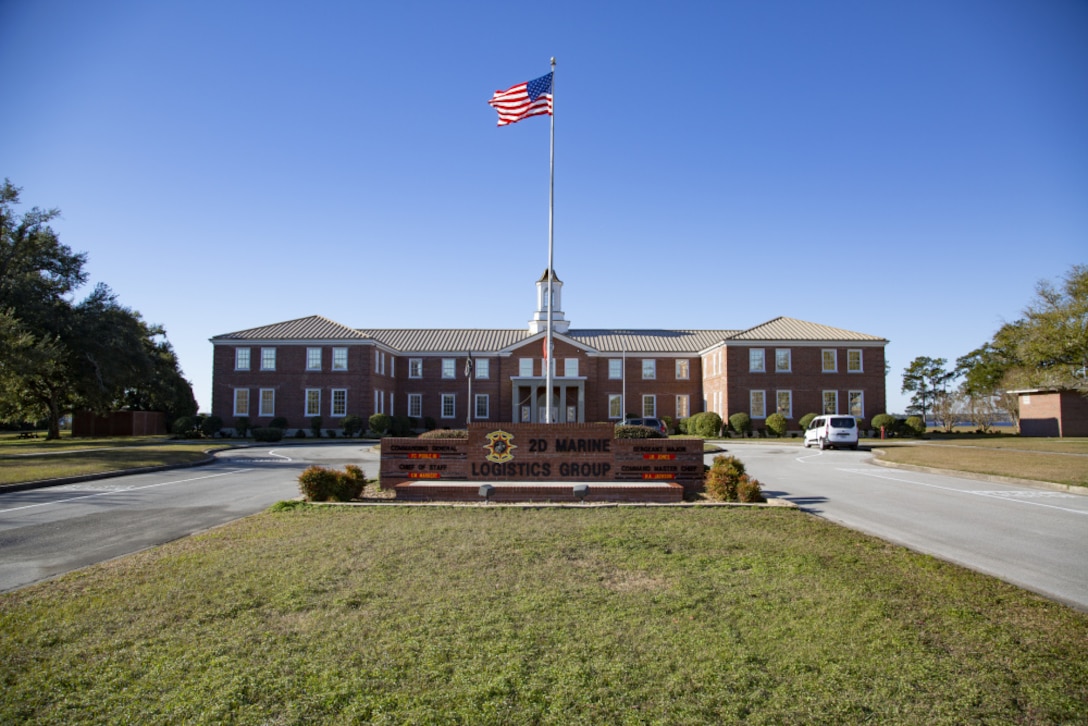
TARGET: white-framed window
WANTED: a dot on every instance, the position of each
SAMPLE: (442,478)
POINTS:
(830,402)
(683,406)
(683,369)
(268,402)
(649,369)
(757,360)
(829,358)
(853,361)
(449,405)
(757,404)
(241,401)
(570,367)
(615,369)
(415,405)
(784,403)
(856,403)
(241,359)
(649,405)
(339,359)
(381,370)
(483,406)
(268,359)
(783,360)
(615,405)
(339,402)
(379,401)
(525,367)
(415,367)
(483,367)
(449,367)
(313,402)
(313,359)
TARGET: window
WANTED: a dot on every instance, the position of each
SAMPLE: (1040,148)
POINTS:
(339,359)
(683,406)
(757,404)
(784,403)
(241,401)
(830,359)
(313,402)
(483,406)
(570,367)
(615,369)
(525,367)
(756,360)
(415,367)
(339,402)
(831,402)
(483,367)
(268,359)
(853,361)
(683,369)
(857,403)
(649,368)
(649,405)
(268,402)
(615,405)
(449,367)
(449,405)
(415,405)
(783,361)
(241,359)
(313,359)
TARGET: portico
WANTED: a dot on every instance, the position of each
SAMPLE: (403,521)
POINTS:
(568,399)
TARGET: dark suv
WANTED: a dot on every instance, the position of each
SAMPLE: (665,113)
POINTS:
(654,423)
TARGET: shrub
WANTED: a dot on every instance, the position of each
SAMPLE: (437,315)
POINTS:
(241,426)
(638,432)
(723,478)
(915,425)
(352,425)
(749,490)
(278,423)
(315,426)
(300,434)
(741,423)
(211,426)
(706,424)
(887,422)
(445,434)
(319,484)
(267,434)
(380,423)
(682,426)
(429,423)
(402,426)
(806,420)
(331,433)
(776,424)
(185,427)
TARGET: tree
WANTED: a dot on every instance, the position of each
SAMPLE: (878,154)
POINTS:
(1056,340)
(925,376)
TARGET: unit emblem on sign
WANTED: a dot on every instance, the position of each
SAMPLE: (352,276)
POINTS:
(500,447)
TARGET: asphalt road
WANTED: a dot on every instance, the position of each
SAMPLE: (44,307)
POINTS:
(1026,535)
(1031,537)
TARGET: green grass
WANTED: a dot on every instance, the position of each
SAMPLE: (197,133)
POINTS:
(502,615)
(1063,461)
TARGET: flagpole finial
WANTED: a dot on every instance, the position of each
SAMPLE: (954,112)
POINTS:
(553,60)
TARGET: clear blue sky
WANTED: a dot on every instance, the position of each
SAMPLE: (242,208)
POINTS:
(904,169)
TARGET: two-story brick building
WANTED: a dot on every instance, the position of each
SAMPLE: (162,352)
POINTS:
(314,366)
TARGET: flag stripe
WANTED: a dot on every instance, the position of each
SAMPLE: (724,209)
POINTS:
(532,98)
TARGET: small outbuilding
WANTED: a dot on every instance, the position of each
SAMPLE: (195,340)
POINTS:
(1053,412)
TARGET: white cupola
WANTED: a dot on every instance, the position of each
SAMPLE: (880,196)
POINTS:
(539,323)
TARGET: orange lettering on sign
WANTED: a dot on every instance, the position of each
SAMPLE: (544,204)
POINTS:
(659,457)
(424,475)
(424,456)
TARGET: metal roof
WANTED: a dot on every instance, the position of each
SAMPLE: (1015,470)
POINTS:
(315,327)
(782,328)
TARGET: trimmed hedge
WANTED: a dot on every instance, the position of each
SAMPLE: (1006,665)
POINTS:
(706,424)
(638,432)
(319,484)
(445,434)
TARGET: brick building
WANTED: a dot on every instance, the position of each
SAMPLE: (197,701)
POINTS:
(316,367)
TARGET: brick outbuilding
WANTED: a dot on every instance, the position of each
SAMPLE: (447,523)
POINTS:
(314,366)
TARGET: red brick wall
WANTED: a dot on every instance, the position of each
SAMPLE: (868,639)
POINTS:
(1053,413)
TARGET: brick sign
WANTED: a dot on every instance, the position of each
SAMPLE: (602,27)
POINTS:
(544,452)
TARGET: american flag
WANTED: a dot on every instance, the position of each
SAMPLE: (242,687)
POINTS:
(533,98)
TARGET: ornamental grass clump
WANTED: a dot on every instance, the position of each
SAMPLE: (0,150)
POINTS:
(726,481)
(319,484)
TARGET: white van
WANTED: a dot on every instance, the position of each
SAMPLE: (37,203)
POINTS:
(832,431)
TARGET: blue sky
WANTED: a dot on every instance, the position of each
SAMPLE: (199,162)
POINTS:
(908,170)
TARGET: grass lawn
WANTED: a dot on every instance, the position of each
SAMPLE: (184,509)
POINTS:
(503,615)
(1064,461)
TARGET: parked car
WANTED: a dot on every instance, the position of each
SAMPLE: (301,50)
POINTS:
(832,431)
(654,423)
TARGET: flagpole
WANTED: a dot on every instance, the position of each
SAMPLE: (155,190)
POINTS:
(550,356)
